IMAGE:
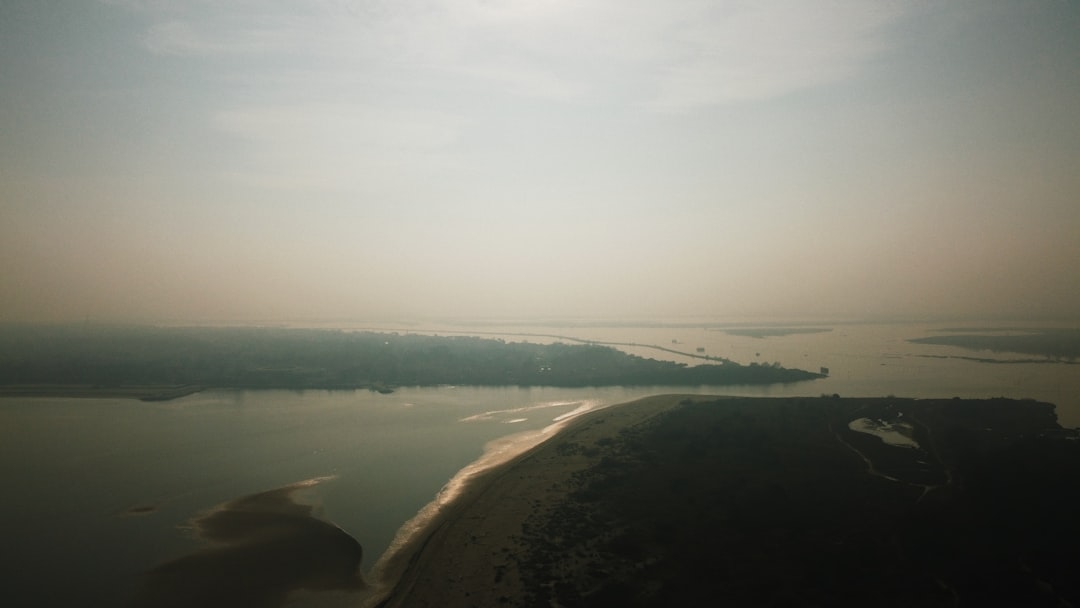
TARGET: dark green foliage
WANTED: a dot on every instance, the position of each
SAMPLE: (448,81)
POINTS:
(761,502)
(1052,343)
(307,358)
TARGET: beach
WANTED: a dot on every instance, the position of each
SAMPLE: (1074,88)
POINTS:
(466,555)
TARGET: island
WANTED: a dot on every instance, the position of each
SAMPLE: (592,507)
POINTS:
(157,363)
(688,500)
(1057,345)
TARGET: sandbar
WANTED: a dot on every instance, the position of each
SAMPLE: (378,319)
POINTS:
(260,549)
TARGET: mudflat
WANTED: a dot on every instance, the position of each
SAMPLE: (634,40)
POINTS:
(758,501)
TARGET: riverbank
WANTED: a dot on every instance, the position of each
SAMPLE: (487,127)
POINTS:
(677,500)
(86,391)
(465,555)
(300,359)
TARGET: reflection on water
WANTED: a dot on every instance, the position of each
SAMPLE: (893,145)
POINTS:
(262,548)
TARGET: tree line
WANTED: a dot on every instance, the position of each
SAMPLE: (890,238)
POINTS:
(250,357)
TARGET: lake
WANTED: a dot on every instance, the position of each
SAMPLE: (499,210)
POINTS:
(100,490)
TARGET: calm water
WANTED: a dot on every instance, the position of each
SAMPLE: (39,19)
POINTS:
(75,467)
(869,360)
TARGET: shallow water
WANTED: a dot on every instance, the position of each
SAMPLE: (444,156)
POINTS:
(260,549)
(102,490)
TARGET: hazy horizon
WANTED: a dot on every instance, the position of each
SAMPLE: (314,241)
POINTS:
(168,161)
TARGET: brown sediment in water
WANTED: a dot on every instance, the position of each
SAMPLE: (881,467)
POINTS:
(464,555)
(262,548)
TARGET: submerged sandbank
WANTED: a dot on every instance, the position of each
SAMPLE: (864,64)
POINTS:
(260,549)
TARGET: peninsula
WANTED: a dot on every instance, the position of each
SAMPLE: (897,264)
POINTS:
(158,362)
(689,500)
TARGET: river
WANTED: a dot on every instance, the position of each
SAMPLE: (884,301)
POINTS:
(100,490)
(864,359)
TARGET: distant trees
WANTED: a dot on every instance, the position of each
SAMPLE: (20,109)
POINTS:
(1058,344)
(307,358)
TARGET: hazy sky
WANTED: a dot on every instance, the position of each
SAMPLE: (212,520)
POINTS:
(205,160)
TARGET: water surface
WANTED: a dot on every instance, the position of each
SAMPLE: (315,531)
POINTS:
(100,492)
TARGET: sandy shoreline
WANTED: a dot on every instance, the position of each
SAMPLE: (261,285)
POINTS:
(465,555)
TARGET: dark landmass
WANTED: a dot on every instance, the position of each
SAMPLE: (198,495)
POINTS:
(991,329)
(631,323)
(770,502)
(143,393)
(1003,361)
(770,332)
(588,323)
(116,361)
(561,338)
(261,548)
(1050,343)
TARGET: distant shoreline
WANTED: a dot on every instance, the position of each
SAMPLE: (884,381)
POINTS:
(98,361)
(85,391)
(1056,344)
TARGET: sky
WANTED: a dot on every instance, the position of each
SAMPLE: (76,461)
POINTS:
(202,161)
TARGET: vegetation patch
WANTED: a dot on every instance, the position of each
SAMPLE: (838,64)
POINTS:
(1056,344)
(764,502)
(102,359)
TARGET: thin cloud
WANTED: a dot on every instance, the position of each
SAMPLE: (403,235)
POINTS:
(183,38)
(527,82)
(755,51)
(660,56)
(336,146)
(361,126)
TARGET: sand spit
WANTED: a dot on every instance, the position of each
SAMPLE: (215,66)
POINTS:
(261,548)
(474,537)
